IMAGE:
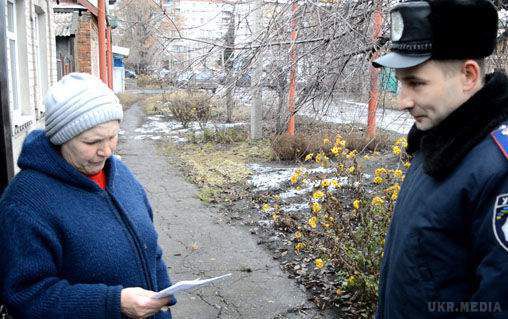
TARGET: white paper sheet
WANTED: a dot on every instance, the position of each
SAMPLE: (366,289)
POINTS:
(186,285)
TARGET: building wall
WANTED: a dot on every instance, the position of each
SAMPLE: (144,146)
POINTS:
(86,44)
(34,20)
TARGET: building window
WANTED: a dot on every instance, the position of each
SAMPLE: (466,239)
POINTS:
(19,95)
(41,55)
(13,59)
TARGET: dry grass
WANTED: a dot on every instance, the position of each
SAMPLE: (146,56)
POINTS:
(220,171)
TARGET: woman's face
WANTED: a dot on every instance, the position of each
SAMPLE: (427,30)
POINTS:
(89,151)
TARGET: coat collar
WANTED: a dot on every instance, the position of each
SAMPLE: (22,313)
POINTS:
(444,146)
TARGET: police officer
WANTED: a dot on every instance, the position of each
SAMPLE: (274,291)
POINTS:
(446,252)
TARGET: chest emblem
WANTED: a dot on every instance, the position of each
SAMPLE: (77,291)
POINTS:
(500,220)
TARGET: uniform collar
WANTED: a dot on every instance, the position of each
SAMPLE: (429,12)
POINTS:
(444,146)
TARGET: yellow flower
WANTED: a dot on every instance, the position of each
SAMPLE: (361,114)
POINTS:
(407,165)
(335,183)
(313,222)
(309,157)
(298,234)
(398,173)
(352,154)
(402,142)
(378,180)
(318,195)
(341,143)
(356,204)
(396,150)
(377,201)
(335,150)
(394,188)
(340,167)
(351,281)
(299,247)
(380,171)
(326,141)
(298,188)
(394,196)
(325,183)
(316,207)
(294,179)
(265,208)
(366,157)
(318,158)
(351,169)
(319,263)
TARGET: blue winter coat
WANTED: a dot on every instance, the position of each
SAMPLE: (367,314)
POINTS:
(446,255)
(67,247)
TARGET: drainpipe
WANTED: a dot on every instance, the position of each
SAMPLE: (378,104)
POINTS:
(6,156)
(109,58)
(374,74)
(101,21)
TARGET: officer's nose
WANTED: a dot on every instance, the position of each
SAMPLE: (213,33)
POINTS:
(406,101)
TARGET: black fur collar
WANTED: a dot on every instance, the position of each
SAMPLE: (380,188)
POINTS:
(445,145)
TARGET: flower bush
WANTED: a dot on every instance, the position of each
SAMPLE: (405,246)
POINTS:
(348,217)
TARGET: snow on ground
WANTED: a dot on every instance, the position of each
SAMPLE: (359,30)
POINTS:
(157,127)
(345,112)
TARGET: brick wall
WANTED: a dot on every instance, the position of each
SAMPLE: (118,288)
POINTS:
(86,46)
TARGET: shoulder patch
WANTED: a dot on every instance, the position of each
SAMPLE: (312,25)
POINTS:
(500,136)
(500,220)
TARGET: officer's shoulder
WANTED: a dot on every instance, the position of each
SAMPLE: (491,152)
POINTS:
(500,138)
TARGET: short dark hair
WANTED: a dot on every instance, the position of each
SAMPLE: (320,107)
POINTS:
(450,67)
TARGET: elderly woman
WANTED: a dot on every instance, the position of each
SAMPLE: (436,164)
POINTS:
(77,238)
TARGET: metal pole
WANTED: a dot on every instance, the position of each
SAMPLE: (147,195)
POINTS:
(292,74)
(101,24)
(256,126)
(6,155)
(374,74)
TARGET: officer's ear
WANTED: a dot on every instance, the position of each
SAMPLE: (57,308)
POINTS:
(471,74)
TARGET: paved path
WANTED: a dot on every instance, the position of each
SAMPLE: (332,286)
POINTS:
(197,243)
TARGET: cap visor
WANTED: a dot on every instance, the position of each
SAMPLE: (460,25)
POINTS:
(395,60)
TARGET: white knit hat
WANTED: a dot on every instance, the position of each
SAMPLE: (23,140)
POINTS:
(76,103)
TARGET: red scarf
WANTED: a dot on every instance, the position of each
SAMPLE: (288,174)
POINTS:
(100,179)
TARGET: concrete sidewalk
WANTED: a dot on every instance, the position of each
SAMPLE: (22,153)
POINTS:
(197,243)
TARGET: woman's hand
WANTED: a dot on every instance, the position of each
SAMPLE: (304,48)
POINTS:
(138,303)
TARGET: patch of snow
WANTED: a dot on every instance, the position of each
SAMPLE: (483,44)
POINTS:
(266,177)
(293,192)
(296,207)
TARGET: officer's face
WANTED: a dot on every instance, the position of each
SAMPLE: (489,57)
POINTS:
(429,93)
